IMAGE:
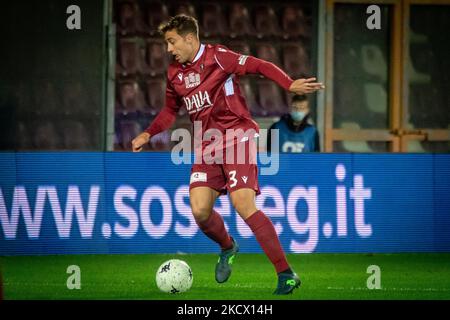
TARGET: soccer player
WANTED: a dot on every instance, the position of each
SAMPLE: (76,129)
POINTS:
(204,80)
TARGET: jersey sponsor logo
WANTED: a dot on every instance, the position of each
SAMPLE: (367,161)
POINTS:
(198,177)
(197,102)
(242,59)
(180,76)
(244,178)
(192,80)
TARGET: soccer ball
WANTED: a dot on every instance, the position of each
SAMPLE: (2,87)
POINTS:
(174,276)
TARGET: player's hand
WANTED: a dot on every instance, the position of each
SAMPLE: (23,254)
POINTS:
(302,86)
(139,141)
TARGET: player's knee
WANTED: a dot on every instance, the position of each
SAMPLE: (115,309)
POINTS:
(201,212)
(243,205)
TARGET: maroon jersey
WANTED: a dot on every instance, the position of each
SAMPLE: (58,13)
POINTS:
(208,88)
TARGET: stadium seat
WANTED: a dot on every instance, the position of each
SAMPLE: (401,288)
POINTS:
(266,22)
(296,61)
(423,58)
(157,57)
(186,8)
(240,23)
(349,102)
(249,95)
(117,146)
(427,106)
(75,100)
(46,137)
(239,47)
(268,52)
(129,19)
(160,142)
(354,146)
(157,12)
(270,98)
(424,22)
(295,23)
(351,53)
(128,130)
(415,146)
(376,98)
(131,99)
(75,135)
(215,41)
(24,139)
(416,116)
(213,20)
(47,100)
(416,76)
(417,38)
(373,62)
(155,94)
(131,58)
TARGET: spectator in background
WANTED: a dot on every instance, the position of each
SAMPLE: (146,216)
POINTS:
(296,133)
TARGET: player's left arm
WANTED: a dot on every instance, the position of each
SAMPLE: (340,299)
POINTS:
(240,64)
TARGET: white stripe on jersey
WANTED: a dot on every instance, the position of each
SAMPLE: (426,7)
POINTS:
(218,62)
(229,89)
(242,59)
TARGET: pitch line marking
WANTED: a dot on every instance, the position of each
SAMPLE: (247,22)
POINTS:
(388,289)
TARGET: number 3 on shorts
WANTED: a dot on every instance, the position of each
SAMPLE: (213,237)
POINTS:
(233,178)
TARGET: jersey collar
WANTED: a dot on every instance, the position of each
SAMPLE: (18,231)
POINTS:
(198,55)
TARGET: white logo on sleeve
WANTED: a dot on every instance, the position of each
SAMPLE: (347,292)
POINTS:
(180,76)
(198,177)
(222,50)
(244,178)
(242,59)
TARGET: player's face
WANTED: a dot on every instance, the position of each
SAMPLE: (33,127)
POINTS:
(181,47)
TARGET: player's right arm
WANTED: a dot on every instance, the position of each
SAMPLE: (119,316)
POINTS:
(163,121)
(139,141)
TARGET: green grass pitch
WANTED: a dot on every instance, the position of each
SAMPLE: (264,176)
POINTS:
(324,276)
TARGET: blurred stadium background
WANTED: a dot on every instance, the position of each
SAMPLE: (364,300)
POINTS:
(384,123)
(95,88)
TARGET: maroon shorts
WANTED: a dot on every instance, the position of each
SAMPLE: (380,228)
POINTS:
(225,177)
(228,175)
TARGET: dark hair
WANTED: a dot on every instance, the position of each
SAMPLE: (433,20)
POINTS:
(299,98)
(182,23)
